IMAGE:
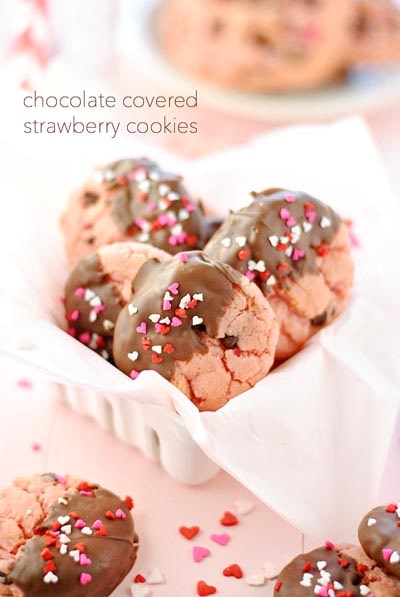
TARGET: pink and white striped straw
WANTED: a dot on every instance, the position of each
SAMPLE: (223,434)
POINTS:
(31,47)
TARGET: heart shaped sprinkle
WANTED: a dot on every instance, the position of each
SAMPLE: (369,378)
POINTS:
(243,506)
(176,322)
(229,519)
(197,320)
(120,514)
(255,580)
(133,356)
(174,288)
(139,578)
(203,589)
(75,554)
(85,578)
(226,242)
(142,328)
(84,560)
(132,310)
(221,539)
(50,577)
(189,532)
(154,317)
(233,570)
(199,553)
(155,577)
(63,519)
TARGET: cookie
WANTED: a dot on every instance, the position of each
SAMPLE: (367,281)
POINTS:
(132,199)
(379,535)
(63,536)
(259,46)
(376,32)
(97,289)
(200,324)
(296,250)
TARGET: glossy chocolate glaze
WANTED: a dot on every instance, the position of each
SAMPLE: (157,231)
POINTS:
(103,554)
(150,205)
(279,235)
(88,289)
(379,530)
(318,568)
(173,304)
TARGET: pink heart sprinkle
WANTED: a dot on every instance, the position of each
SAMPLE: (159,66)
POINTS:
(85,337)
(290,222)
(329,545)
(151,206)
(323,592)
(297,254)
(284,213)
(183,257)
(250,275)
(190,207)
(85,578)
(60,479)
(289,198)
(134,374)
(176,322)
(120,514)
(387,553)
(311,215)
(80,523)
(172,240)
(166,305)
(142,328)
(98,309)
(199,553)
(80,292)
(174,288)
(86,493)
(84,560)
(221,539)
(74,315)
(97,525)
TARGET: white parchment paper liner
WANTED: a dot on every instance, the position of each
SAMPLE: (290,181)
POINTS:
(313,438)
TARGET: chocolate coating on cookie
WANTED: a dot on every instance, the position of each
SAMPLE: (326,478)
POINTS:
(324,572)
(150,205)
(85,547)
(172,304)
(379,535)
(92,305)
(279,235)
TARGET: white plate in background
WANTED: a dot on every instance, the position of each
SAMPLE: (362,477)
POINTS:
(365,91)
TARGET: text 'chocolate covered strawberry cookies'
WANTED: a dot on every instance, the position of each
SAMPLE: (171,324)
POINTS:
(97,289)
(297,250)
(200,324)
(132,199)
(63,537)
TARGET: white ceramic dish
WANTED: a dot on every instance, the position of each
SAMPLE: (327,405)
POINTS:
(160,434)
(366,90)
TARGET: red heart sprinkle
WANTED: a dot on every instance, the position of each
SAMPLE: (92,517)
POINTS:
(264,275)
(49,541)
(80,547)
(307,567)
(391,508)
(180,313)
(146,343)
(233,570)
(229,519)
(189,532)
(156,358)
(278,586)
(74,515)
(46,554)
(343,563)
(129,502)
(139,578)
(102,532)
(191,304)
(308,206)
(282,266)
(168,348)
(163,329)
(110,515)
(204,589)
(50,567)
(191,241)
(362,567)
(243,254)
(55,525)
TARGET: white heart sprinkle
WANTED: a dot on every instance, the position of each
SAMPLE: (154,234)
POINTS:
(196,320)
(337,585)
(139,590)
(284,240)
(63,538)
(67,529)
(395,558)
(307,226)
(63,501)
(173,196)
(271,570)
(109,175)
(271,280)
(165,320)
(168,296)
(289,251)
(132,309)
(108,325)
(244,506)
(183,215)
(163,189)
(321,565)
(63,549)
(105,354)
(155,577)
(95,301)
(143,238)
(89,294)
(260,266)
(157,348)
(75,554)
(371,522)
(28,512)
(325,578)
(154,317)
(226,242)
(251,265)
(325,222)
(87,531)
(97,176)
(296,230)
(198,296)
(364,590)
(274,240)
(255,580)
(306,580)
(184,301)
(92,316)
(144,185)
(63,519)
(50,577)
(133,356)
(177,229)
(241,241)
